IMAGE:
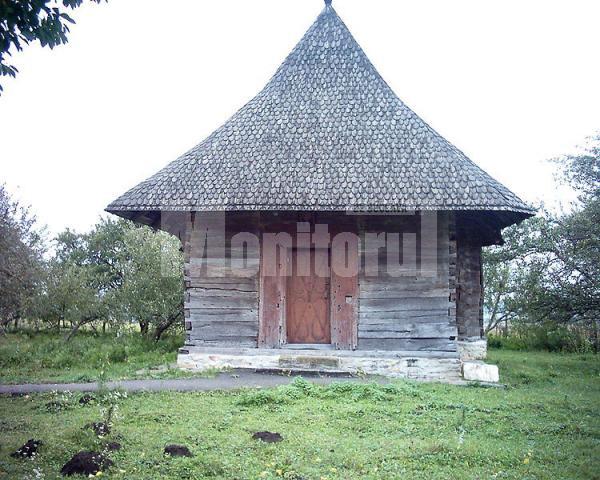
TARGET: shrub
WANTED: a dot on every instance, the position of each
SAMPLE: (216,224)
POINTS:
(550,337)
(118,354)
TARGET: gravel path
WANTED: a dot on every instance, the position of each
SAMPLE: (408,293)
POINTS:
(223,381)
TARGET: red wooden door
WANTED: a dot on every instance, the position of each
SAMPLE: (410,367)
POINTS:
(307,312)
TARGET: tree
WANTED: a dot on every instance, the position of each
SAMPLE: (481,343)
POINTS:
(69,294)
(69,297)
(152,290)
(21,250)
(507,270)
(24,21)
(139,274)
(117,273)
(548,271)
(570,289)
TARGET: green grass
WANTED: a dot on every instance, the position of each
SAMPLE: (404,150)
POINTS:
(88,357)
(544,425)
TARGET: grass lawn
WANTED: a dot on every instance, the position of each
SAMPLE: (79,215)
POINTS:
(46,358)
(545,425)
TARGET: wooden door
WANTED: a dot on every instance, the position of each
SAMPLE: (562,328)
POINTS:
(307,296)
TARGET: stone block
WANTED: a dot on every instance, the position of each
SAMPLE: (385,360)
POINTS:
(480,372)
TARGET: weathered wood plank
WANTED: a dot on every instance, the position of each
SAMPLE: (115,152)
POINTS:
(240,342)
(377,318)
(218,270)
(221,301)
(408,312)
(400,292)
(197,301)
(414,282)
(409,330)
(243,283)
(225,315)
(368,305)
(210,330)
(200,292)
(408,283)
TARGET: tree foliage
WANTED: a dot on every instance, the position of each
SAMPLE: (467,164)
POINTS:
(548,271)
(117,274)
(25,21)
(69,297)
(152,289)
(21,250)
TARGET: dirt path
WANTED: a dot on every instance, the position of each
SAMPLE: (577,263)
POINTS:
(224,381)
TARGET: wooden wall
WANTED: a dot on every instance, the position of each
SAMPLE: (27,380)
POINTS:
(406,310)
(401,310)
(221,302)
(469,286)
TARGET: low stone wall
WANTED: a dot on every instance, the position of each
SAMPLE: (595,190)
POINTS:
(418,367)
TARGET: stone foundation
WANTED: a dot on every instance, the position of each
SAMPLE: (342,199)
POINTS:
(474,348)
(412,365)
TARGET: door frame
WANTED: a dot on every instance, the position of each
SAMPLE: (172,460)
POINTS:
(343,308)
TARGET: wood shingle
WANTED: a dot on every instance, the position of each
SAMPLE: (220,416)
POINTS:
(325,133)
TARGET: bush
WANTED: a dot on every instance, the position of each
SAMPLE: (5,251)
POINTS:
(549,337)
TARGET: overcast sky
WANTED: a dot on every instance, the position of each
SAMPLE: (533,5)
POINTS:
(512,83)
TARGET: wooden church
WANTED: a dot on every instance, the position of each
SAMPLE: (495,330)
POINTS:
(327,227)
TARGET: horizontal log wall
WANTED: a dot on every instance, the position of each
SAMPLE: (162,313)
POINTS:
(411,311)
(221,303)
(399,313)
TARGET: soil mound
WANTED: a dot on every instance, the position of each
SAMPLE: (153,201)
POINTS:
(269,437)
(86,398)
(28,450)
(178,451)
(86,463)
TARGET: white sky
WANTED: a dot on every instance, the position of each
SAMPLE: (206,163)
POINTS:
(510,82)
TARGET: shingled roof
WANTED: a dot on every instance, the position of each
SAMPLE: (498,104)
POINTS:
(326,133)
